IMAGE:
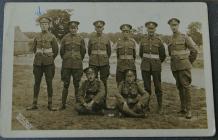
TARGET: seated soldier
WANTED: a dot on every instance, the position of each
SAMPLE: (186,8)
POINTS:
(91,95)
(132,99)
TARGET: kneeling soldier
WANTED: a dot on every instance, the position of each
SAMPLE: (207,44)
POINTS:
(72,52)
(91,94)
(132,98)
(45,48)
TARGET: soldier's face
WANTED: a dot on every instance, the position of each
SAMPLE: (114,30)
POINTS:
(99,30)
(151,31)
(44,26)
(174,27)
(126,33)
(90,76)
(130,77)
(73,30)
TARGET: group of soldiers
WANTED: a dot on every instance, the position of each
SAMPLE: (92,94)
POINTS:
(90,94)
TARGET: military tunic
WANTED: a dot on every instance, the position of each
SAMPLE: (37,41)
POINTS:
(72,53)
(152,53)
(126,55)
(99,51)
(45,48)
(132,94)
(183,53)
(91,91)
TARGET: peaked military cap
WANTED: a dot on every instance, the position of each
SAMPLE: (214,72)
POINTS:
(173,21)
(151,24)
(89,70)
(125,27)
(44,19)
(99,23)
(74,23)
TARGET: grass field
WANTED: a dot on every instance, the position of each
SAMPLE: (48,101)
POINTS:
(42,119)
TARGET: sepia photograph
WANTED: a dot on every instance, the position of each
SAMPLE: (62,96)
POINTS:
(74,69)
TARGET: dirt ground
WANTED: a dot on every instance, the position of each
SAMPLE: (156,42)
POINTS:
(42,119)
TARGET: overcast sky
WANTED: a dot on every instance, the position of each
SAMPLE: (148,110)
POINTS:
(114,14)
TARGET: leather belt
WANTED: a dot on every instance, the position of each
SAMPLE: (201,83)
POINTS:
(179,52)
(44,50)
(126,57)
(147,55)
(99,52)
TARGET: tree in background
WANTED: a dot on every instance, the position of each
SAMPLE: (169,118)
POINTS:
(60,19)
(194,31)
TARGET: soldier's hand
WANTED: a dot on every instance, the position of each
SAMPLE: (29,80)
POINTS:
(89,105)
(125,106)
(85,104)
(139,105)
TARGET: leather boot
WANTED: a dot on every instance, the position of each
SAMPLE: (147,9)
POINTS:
(50,108)
(34,105)
(64,98)
(76,94)
(182,101)
(159,101)
(148,103)
(105,100)
(188,103)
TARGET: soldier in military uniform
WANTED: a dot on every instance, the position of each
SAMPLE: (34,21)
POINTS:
(99,51)
(45,48)
(152,53)
(91,94)
(183,53)
(132,98)
(126,53)
(72,53)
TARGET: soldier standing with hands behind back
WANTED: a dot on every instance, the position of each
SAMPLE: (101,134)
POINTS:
(183,53)
(99,51)
(72,53)
(45,48)
(152,52)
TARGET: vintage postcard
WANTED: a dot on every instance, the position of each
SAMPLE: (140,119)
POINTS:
(112,69)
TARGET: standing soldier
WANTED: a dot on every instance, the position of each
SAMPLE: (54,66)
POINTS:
(126,53)
(45,48)
(99,50)
(91,94)
(183,53)
(72,53)
(152,52)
